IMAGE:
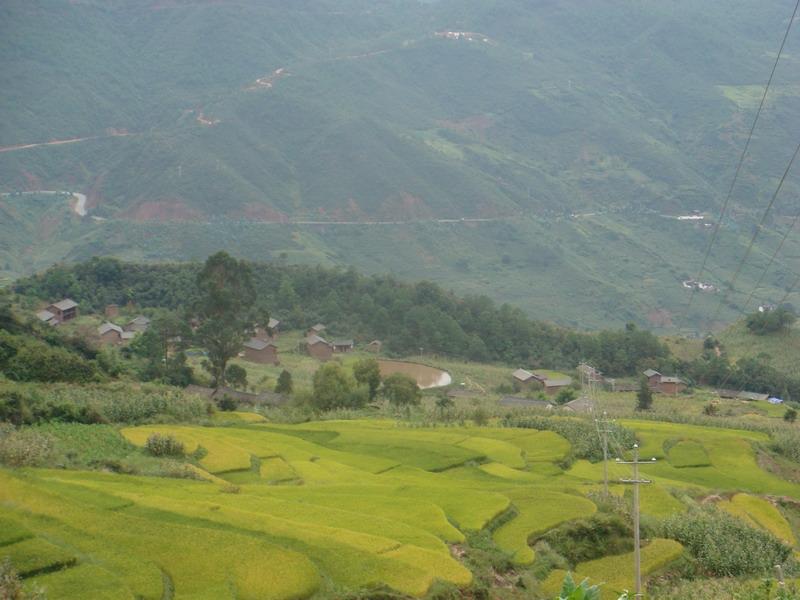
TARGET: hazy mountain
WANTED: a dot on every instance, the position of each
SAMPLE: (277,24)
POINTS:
(555,138)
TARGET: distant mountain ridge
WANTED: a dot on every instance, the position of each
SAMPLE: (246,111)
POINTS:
(574,129)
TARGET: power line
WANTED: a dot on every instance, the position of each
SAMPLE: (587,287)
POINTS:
(771,260)
(756,232)
(744,153)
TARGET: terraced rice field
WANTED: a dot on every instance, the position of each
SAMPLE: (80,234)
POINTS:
(290,511)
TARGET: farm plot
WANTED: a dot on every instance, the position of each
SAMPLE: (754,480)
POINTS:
(339,506)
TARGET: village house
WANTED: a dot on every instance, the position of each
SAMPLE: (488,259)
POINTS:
(653,378)
(62,311)
(270,332)
(139,324)
(318,348)
(374,346)
(108,333)
(523,379)
(260,351)
(45,316)
(671,385)
(341,346)
(317,330)
(553,386)
(579,405)
(665,385)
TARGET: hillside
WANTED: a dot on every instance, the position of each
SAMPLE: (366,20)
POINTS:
(538,161)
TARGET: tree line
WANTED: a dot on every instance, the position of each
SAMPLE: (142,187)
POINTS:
(405,316)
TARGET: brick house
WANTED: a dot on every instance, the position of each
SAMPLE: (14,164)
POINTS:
(316,330)
(653,378)
(140,324)
(671,385)
(523,379)
(553,386)
(340,346)
(318,348)
(64,310)
(270,332)
(260,351)
(108,333)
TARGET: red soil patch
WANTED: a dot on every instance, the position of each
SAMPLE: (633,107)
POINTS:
(260,212)
(660,317)
(476,125)
(406,207)
(164,210)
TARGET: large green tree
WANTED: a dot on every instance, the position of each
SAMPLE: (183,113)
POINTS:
(401,390)
(333,386)
(225,308)
(163,346)
(367,372)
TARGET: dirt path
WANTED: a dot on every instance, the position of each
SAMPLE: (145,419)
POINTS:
(62,142)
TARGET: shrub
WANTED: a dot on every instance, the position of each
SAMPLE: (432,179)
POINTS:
(580,433)
(770,321)
(227,403)
(11,585)
(565,395)
(723,545)
(25,447)
(164,445)
(790,416)
(480,417)
(284,384)
(586,539)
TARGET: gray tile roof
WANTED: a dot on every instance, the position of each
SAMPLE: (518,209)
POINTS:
(342,342)
(651,372)
(106,327)
(273,323)
(256,344)
(315,339)
(671,380)
(522,375)
(44,315)
(65,304)
(558,382)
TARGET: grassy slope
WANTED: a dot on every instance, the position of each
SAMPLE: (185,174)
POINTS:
(558,114)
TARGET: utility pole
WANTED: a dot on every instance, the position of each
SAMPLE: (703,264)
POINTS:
(635,481)
(604,431)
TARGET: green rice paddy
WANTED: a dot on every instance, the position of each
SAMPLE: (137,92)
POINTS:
(293,511)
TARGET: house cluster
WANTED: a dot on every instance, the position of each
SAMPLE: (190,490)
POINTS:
(525,380)
(58,312)
(110,333)
(261,348)
(316,346)
(663,384)
(701,286)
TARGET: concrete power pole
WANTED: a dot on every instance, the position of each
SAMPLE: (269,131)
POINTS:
(635,481)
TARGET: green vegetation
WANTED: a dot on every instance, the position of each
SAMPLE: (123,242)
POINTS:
(376,118)
(688,453)
(770,321)
(405,316)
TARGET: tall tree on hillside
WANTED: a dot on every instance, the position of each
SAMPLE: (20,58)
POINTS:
(644,397)
(226,311)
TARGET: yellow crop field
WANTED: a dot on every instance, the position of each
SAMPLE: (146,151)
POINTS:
(287,512)
(760,513)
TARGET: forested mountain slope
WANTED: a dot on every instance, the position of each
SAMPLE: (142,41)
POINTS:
(534,154)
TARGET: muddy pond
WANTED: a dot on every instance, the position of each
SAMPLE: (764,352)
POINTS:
(425,376)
